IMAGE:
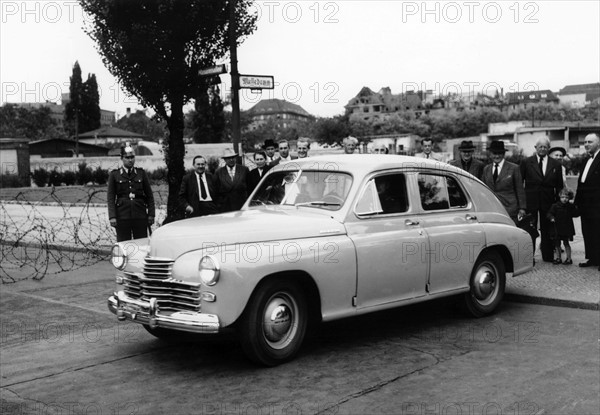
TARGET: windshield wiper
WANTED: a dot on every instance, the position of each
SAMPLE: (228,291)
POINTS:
(317,203)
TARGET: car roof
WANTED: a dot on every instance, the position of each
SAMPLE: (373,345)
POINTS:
(362,164)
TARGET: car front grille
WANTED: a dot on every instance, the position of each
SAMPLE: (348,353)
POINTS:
(156,282)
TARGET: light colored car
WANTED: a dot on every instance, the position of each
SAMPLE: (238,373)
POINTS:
(322,239)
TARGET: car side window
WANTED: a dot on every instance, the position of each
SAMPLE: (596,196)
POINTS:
(433,192)
(456,195)
(384,194)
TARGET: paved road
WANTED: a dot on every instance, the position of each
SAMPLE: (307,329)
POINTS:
(63,352)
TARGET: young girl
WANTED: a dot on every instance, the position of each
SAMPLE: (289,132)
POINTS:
(561,215)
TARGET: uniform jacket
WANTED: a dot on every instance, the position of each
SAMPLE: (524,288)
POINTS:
(476,167)
(563,214)
(254,177)
(541,191)
(587,197)
(129,196)
(231,195)
(189,193)
(508,187)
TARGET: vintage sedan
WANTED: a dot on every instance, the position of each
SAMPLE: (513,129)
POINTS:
(321,239)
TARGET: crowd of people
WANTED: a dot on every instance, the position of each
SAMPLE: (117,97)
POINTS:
(534,193)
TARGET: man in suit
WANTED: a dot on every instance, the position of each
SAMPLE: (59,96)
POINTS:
(255,175)
(269,148)
(231,183)
(542,176)
(466,161)
(284,153)
(197,191)
(504,179)
(130,200)
(302,146)
(427,153)
(587,199)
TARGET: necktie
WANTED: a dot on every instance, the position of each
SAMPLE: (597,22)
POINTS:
(495,172)
(542,165)
(427,155)
(231,173)
(202,189)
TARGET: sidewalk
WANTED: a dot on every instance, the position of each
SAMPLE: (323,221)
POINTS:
(559,285)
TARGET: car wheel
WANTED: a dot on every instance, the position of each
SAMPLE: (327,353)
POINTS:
(274,324)
(487,283)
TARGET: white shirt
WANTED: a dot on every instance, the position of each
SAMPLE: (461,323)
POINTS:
(587,166)
(203,178)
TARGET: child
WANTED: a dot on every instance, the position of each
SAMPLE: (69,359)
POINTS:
(561,215)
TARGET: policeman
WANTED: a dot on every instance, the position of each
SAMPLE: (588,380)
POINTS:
(130,199)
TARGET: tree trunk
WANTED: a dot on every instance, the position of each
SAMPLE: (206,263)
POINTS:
(174,154)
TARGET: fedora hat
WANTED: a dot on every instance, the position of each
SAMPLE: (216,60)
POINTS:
(497,147)
(466,145)
(228,153)
(562,150)
(269,143)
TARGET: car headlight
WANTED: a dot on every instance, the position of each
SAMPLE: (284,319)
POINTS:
(209,270)
(118,257)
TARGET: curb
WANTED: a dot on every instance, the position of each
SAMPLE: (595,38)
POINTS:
(555,302)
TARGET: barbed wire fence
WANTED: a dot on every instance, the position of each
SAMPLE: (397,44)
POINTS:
(43,235)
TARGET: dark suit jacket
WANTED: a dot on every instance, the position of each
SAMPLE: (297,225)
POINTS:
(231,195)
(587,197)
(541,191)
(254,177)
(476,167)
(508,187)
(189,193)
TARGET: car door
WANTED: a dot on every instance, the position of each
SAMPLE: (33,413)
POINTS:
(389,242)
(455,236)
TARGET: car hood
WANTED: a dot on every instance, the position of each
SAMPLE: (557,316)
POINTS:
(244,226)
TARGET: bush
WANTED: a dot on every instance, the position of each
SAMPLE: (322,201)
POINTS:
(55,177)
(40,177)
(84,175)
(100,176)
(69,177)
(158,176)
(11,180)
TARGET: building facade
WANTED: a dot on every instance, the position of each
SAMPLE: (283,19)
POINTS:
(283,113)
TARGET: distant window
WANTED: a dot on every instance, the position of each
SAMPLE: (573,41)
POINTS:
(532,96)
(365,109)
(544,95)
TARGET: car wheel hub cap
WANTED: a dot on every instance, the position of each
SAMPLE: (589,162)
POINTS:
(277,321)
(484,285)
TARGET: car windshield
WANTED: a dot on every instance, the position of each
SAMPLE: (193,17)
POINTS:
(321,189)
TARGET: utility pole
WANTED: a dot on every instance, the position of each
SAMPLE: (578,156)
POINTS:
(235,80)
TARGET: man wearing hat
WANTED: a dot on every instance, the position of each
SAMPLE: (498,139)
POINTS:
(467,162)
(504,179)
(269,148)
(231,183)
(542,176)
(130,199)
(559,154)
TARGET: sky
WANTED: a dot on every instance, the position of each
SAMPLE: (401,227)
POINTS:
(321,53)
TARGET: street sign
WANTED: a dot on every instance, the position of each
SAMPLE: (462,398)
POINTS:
(213,70)
(257,82)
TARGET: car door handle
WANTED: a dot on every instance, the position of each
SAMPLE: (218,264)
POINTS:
(470,217)
(409,222)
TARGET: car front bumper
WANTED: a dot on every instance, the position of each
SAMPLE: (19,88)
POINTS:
(147,312)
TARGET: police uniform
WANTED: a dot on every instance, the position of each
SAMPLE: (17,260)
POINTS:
(130,202)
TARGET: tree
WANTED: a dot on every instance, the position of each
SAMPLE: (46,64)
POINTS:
(140,123)
(90,105)
(32,123)
(208,119)
(155,49)
(331,130)
(73,107)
